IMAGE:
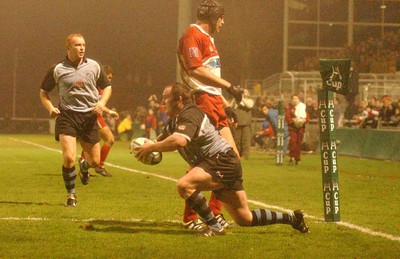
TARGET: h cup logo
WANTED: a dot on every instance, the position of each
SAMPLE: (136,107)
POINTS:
(335,75)
(335,80)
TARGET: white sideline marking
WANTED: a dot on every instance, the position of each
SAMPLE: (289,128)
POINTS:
(257,203)
(85,220)
(36,145)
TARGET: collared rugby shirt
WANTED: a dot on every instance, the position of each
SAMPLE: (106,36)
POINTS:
(77,86)
(196,48)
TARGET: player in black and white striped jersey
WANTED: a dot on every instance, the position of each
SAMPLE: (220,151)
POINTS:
(214,166)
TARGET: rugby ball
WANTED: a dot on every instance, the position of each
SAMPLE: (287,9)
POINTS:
(151,159)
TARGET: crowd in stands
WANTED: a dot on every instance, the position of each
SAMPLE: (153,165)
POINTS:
(372,112)
(371,55)
(383,110)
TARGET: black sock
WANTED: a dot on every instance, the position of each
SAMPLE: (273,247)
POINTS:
(262,217)
(69,175)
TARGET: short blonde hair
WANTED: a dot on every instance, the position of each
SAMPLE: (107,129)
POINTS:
(68,39)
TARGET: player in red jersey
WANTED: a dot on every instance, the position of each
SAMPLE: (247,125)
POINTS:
(200,70)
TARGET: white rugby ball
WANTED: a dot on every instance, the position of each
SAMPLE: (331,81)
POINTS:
(151,159)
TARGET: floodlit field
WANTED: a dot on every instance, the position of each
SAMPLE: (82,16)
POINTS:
(137,212)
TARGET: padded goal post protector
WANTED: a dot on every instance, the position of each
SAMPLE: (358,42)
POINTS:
(280,133)
(329,165)
(335,78)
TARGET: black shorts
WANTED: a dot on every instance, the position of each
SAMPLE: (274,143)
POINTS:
(82,125)
(226,168)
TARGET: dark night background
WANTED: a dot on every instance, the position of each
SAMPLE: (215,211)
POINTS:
(138,38)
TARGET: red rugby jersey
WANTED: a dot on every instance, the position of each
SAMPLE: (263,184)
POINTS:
(196,48)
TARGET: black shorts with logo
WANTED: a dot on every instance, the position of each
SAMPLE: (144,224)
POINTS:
(226,168)
(82,125)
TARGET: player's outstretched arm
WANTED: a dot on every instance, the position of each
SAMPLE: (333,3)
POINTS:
(171,143)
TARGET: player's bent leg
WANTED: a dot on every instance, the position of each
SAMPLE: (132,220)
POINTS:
(92,155)
(189,187)
(235,203)
(227,135)
(107,136)
(196,180)
(92,152)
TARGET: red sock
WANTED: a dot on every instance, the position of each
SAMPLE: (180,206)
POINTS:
(103,154)
(189,214)
(83,154)
(214,204)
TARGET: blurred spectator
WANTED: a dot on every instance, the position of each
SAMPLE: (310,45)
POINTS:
(256,111)
(111,122)
(271,117)
(125,127)
(388,111)
(242,133)
(310,108)
(150,124)
(370,118)
(162,119)
(296,117)
(366,116)
(139,114)
(372,102)
(155,106)
(351,111)
(264,137)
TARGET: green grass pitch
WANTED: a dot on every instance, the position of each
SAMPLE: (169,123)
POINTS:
(137,212)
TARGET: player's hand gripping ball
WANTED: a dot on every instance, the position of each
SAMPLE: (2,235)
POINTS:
(152,158)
